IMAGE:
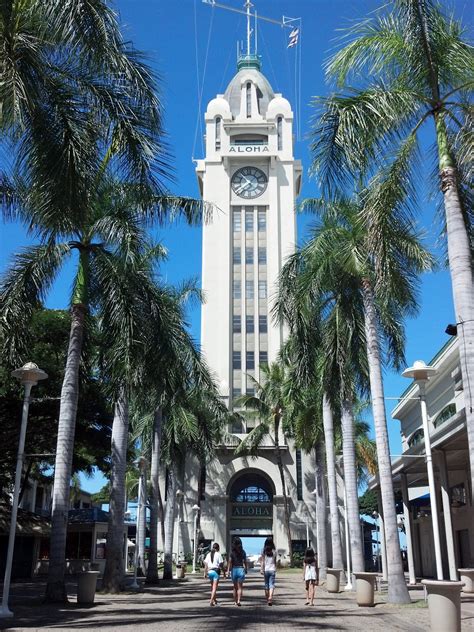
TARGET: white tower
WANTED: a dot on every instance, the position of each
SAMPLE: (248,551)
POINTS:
(251,176)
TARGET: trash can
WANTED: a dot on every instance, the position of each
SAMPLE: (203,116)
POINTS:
(180,571)
(333,579)
(444,604)
(86,586)
(365,588)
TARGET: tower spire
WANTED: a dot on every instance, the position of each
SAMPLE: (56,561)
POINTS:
(248,5)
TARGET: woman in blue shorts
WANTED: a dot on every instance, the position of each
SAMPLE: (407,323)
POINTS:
(212,569)
(268,569)
(237,568)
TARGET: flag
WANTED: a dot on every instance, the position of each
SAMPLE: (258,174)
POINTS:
(293,38)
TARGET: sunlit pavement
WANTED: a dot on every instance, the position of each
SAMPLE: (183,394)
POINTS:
(184,605)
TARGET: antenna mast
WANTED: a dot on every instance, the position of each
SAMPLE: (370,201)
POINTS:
(248,4)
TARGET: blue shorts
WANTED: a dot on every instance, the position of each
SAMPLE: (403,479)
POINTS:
(238,575)
(269,580)
(213,576)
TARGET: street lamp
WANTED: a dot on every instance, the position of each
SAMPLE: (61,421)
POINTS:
(179,498)
(420,373)
(376,517)
(348,585)
(196,510)
(141,463)
(29,375)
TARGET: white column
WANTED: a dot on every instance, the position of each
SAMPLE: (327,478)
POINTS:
(408,533)
(383,548)
(431,480)
(448,525)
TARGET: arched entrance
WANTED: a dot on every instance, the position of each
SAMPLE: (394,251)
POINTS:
(250,511)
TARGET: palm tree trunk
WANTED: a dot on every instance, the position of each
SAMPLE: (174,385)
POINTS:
(55,587)
(328,424)
(169,524)
(141,535)
(152,570)
(114,562)
(321,509)
(460,266)
(397,589)
(281,470)
(350,481)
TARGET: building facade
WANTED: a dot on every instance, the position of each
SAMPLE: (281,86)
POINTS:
(448,435)
(252,178)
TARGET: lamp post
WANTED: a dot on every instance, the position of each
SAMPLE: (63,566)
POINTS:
(375,516)
(420,373)
(140,462)
(29,375)
(179,497)
(348,585)
(196,510)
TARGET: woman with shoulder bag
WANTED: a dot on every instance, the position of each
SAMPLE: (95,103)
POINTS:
(268,569)
(212,569)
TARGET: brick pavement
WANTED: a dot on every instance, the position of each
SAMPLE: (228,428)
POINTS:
(183,606)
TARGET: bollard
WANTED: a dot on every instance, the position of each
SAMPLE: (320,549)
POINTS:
(365,588)
(444,605)
(467,576)
(333,579)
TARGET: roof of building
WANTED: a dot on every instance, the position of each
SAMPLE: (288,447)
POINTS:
(84,516)
(28,524)
(264,90)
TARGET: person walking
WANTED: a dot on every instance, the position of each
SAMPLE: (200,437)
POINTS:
(237,569)
(310,575)
(212,569)
(268,569)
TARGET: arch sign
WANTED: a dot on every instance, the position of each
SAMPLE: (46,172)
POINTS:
(260,510)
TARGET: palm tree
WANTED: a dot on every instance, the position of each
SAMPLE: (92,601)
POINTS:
(370,249)
(405,70)
(268,406)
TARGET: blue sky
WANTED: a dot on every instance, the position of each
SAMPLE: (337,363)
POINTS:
(166,30)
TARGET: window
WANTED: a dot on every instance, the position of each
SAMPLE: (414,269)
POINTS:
(299,475)
(262,289)
(218,133)
(262,221)
(416,438)
(236,360)
(280,133)
(262,324)
(249,324)
(262,254)
(458,495)
(249,289)
(248,221)
(263,357)
(249,99)
(447,412)
(236,258)
(236,392)
(237,221)
(237,289)
(250,360)
(250,390)
(236,324)
(252,494)
(249,255)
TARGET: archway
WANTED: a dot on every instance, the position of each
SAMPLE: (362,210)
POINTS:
(250,510)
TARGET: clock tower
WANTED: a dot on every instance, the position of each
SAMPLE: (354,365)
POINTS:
(252,179)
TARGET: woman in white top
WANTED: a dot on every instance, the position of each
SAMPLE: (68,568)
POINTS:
(268,569)
(212,569)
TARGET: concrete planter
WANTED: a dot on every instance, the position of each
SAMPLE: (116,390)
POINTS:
(365,589)
(86,586)
(467,577)
(444,605)
(333,579)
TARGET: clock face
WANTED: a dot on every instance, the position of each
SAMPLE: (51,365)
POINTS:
(249,182)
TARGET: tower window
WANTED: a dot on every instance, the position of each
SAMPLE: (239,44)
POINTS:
(249,289)
(280,132)
(249,324)
(262,289)
(262,324)
(262,254)
(248,221)
(237,289)
(262,221)
(250,360)
(236,324)
(237,221)
(299,475)
(236,360)
(236,257)
(263,357)
(248,89)
(249,255)
(218,133)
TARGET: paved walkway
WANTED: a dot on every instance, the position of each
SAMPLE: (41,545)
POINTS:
(183,606)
